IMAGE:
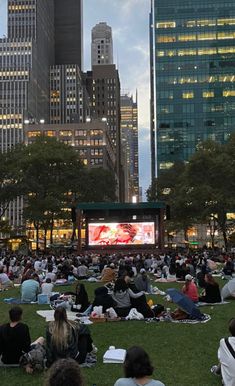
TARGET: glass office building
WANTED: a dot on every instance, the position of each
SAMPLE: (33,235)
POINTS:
(192,65)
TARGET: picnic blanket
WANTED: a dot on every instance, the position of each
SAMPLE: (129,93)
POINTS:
(168,319)
(49,315)
(201,304)
(16,301)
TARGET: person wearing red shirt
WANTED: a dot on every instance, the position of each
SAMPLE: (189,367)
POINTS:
(190,288)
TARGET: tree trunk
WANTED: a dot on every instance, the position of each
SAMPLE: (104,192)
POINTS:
(51,231)
(36,226)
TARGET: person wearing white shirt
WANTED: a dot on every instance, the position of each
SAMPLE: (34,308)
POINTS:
(226,356)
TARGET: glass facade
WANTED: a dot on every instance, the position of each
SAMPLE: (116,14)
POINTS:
(193,76)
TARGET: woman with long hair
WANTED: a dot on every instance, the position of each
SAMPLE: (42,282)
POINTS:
(137,369)
(82,297)
(211,290)
(122,296)
(66,339)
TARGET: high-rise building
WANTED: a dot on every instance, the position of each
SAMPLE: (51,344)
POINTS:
(192,76)
(104,93)
(25,57)
(69,101)
(68,32)
(101,45)
(129,143)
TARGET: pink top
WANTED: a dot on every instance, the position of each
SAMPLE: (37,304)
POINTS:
(191,291)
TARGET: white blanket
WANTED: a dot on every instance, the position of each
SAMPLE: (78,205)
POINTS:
(49,315)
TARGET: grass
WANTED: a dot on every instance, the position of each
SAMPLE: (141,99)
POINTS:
(182,354)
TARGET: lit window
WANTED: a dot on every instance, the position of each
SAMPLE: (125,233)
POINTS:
(226,50)
(208,94)
(188,95)
(226,35)
(65,133)
(171,53)
(228,93)
(160,53)
(207,36)
(166,24)
(166,39)
(191,23)
(187,38)
(165,165)
(206,51)
(205,23)
(34,133)
(186,52)
(226,21)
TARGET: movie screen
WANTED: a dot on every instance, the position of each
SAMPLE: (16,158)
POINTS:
(136,233)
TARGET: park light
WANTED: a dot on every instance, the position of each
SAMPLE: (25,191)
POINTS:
(134,199)
(42,121)
(104,119)
(88,119)
(26,121)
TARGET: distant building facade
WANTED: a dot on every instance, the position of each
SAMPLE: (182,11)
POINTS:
(91,140)
(25,57)
(129,144)
(101,44)
(192,62)
(69,32)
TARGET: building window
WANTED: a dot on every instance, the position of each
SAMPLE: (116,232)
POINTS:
(188,95)
(208,94)
(166,24)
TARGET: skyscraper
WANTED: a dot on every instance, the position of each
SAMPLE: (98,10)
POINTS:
(101,44)
(192,76)
(129,143)
(68,32)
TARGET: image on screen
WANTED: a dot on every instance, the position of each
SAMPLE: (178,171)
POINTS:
(135,233)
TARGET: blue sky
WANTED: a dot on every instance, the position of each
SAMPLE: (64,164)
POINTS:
(129,22)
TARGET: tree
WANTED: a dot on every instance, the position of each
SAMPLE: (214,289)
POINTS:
(52,174)
(210,176)
(98,185)
(10,179)
(171,188)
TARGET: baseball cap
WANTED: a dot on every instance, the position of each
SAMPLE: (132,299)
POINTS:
(188,277)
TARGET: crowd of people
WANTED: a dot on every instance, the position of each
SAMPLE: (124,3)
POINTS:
(124,282)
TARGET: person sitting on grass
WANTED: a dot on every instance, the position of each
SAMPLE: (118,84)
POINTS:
(64,372)
(190,288)
(211,290)
(30,289)
(226,356)
(5,282)
(14,338)
(102,298)
(47,287)
(67,339)
(137,369)
(122,295)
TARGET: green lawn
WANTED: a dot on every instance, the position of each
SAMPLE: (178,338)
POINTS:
(182,354)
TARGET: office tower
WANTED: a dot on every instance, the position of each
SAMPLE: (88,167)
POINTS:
(103,87)
(69,101)
(25,57)
(129,143)
(68,32)
(101,45)
(90,139)
(192,77)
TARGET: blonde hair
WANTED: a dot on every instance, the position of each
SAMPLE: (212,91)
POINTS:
(61,329)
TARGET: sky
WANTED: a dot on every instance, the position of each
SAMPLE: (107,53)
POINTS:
(129,22)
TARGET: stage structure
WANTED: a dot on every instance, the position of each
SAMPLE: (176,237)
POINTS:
(115,226)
